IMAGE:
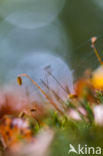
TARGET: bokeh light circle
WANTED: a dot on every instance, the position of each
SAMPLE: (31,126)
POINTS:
(30,13)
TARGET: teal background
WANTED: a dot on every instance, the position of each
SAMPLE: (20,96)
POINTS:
(78,21)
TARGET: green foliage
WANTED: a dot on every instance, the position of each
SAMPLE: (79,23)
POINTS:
(34,125)
(100,97)
(83,134)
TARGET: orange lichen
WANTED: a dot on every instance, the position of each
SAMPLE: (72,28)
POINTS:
(84,88)
(12,129)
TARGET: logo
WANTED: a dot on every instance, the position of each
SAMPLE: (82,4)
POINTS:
(84,149)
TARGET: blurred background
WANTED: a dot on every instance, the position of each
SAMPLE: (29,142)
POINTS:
(58,27)
(36,32)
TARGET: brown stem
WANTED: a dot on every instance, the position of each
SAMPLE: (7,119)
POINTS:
(42,91)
